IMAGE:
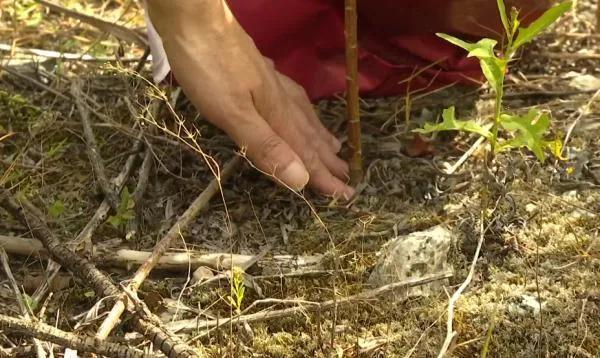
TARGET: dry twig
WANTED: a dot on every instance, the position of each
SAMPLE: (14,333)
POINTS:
(118,31)
(92,148)
(48,333)
(284,265)
(168,343)
(163,245)
(138,193)
(102,212)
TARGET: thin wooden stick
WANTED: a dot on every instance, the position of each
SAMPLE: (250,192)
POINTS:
(102,212)
(163,245)
(138,194)
(352,95)
(48,333)
(284,265)
(118,31)
(110,192)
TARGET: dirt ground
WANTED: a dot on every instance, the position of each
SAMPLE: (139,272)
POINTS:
(543,243)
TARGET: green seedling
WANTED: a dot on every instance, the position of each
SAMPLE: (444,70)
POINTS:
(25,12)
(57,209)
(237,290)
(57,149)
(125,212)
(526,131)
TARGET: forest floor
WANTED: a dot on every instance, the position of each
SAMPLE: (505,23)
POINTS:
(542,246)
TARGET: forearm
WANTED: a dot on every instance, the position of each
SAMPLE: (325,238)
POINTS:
(203,17)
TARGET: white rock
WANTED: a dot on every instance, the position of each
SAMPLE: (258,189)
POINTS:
(527,305)
(202,273)
(412,256)
(531,208)
(585,83)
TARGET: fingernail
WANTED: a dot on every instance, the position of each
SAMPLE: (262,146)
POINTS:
(295,176)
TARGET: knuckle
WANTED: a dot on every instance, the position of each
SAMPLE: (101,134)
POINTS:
(311,160)
(269,145)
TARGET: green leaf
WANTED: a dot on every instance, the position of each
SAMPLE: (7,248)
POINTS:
(528,131)
(450,123)
(56,209)
(483,48)
(126,201)
(30,302)
(56,148)
(115,221)
(494,69)
(505,22)
(527,34)
(514,18)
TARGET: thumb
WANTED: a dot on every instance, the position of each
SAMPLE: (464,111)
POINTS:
(269,152)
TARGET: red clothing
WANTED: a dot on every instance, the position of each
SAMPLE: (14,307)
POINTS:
(305,39)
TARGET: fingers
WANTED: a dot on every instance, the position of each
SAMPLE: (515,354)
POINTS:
(301,99)
(268,151)
(334,144)
(316,146)
(335,164)
(324,181)
(328,173)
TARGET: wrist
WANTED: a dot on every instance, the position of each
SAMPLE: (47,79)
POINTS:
(184,17)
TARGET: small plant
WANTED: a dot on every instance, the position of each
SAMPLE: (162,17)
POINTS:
(57,209)
(125,212)
(526,131)
(237,291)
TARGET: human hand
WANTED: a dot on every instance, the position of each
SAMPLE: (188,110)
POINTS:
(266,113)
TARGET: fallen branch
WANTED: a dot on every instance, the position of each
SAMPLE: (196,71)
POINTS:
(138,193)
(35,82)
(48,333)
(39,55)
(275,267)
(102,212)
(192,325)
(108,189)
(118,31)
(169,343)
(450,332)
(163,245)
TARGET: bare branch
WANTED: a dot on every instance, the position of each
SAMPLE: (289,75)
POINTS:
(169,343)
(163,245)
(92,148)
(48,333)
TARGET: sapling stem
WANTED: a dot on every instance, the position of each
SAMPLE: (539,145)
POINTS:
(497,113)
(352,95)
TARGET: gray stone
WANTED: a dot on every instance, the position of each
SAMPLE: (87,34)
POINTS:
(412,256)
